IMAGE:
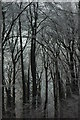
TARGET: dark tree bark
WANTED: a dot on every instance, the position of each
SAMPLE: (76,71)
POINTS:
(79,55)
(9,88)
(46,91)
(57,88)
(68,84)
(79,43)
(72,72)
(39,88)
(53,79)
(33,63)
(45,57)
(14,69)
(13,84)
(68,88)
(39,94)
(28,85)
(22,64)
(3,106)
(74,82)
(33,50)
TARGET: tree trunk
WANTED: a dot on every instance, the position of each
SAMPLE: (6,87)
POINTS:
(57,97)
(14,84)
(3,106)
(22,65)
(68,88)
(79,44)
(39,95)
(68,84)
(33,67)
(33,50)
(46,92)
(74,84)
(61,88)
(28,85)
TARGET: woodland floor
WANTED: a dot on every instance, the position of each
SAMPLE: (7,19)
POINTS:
(70,107)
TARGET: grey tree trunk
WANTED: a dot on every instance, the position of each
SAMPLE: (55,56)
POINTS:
(46,91)
(33,64)
(28,85)
(1,81)
(33,50)
(79,55)
(57,95)
(22,65)
(3,106)
(79,43)
(14,84)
